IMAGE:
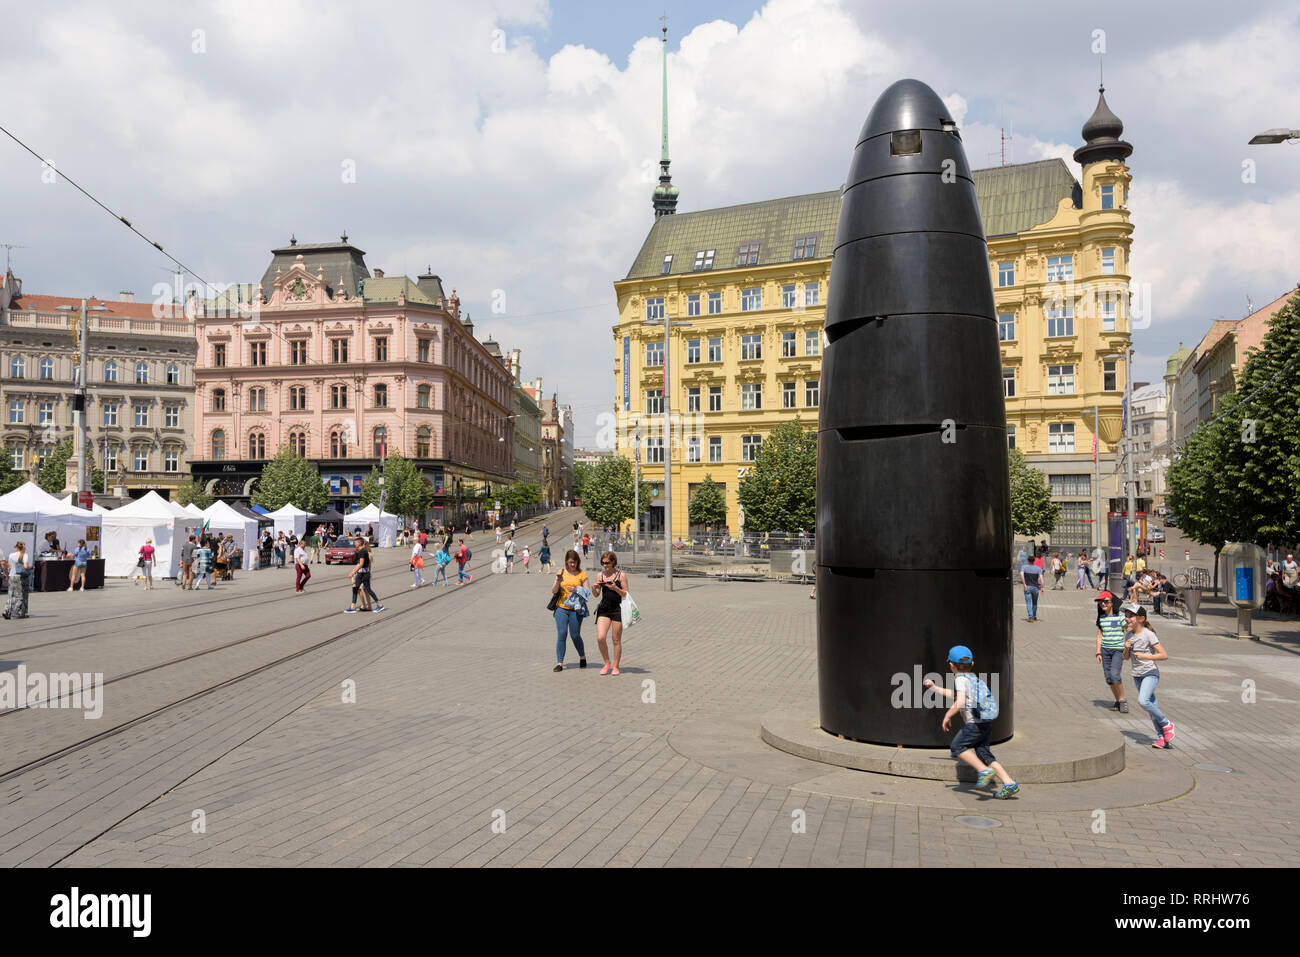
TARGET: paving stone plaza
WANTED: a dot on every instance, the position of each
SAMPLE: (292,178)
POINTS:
(250,726)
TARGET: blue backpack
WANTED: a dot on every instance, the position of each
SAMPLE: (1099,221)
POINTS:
(984,706)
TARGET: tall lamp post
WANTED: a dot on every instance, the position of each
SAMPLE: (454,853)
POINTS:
(636,492)
(81,337)
(1130,538)
(667,446)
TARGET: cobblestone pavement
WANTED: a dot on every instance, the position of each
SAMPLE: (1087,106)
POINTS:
(463,748)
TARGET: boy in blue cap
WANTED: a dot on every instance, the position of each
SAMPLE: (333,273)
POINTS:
(972,742)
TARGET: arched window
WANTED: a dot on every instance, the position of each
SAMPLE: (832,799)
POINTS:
(173,375)
(219,444)
(110,371)
(422,436)
(381,442)
(218,400)
(256,445)
(17,367)
(47,368)
(256,400)
(338,445)
(142,373)
(297,398)
(298,442)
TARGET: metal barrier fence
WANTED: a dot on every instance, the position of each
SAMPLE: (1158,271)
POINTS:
(777,557)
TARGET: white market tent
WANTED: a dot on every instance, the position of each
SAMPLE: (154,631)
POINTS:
(289,519)
(30,505)
(220,517)
(385,524)
(194,510)
(150,516)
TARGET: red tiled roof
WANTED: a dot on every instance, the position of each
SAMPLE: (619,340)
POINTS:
(126,310)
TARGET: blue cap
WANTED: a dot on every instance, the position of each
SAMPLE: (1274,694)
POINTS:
(960,655)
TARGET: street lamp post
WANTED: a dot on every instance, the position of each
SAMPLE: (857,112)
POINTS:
(1130,525)
(636,493)
(1276,135)
(667,447)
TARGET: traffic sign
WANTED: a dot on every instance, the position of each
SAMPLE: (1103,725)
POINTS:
(1162,554)
(86,499)
(1187,554)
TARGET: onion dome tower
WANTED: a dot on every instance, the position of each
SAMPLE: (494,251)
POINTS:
(1101,135)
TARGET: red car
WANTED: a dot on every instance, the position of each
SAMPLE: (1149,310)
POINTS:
(344,553)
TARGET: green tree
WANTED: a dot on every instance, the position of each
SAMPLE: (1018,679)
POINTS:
(708,506)
(1259,436)
(193,493)
(608,494)
(10,478)
(1032,510)
(517,496)
(1198,488)
(289,479)
(779,493)
(370,488)
(581,472)
(408,494)
(53,474)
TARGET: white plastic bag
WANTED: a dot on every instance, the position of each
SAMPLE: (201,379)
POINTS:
(629,612)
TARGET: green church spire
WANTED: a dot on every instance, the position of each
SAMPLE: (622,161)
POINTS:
(665,194)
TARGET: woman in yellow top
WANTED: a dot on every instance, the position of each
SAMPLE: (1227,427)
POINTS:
(567,622)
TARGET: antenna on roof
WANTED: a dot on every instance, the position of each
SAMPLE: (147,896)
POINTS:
(8,247)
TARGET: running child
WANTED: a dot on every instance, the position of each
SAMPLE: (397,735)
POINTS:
(978,708)
(1144,649)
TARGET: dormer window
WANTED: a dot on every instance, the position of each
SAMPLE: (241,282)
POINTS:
(704,259)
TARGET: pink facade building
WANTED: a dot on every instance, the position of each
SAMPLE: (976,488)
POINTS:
(346,368)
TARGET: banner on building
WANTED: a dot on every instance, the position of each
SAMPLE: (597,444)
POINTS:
(627,373)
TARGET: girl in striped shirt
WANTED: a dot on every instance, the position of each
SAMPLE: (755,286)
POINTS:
(1110,647)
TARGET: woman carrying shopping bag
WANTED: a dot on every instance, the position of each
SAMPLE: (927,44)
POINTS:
(20,579)
(611,589)
(566,597)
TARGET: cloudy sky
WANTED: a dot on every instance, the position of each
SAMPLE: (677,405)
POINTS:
(511,145)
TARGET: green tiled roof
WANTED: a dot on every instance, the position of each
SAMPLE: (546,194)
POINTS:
(1013,199)
(387,289)
(1016,198)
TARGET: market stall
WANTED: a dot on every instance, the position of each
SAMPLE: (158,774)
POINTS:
(384,523)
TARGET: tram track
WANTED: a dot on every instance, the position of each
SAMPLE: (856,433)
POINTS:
(90,740)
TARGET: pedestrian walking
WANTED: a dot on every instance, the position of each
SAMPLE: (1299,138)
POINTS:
(463,556)
(1110,647)
(1143,649)
(1100,573)
(526,557)
(360,578)
(417,565)
(586,543)
(203,563)
(280,547)
(147,562)
(611,589)
(79,559)
(498,531)
(1031,579)
(514,527)
(544,555)
(1058,572)
(977,706)
(441,559)
(569,609)
(301,568)
(20,580)
(510,553)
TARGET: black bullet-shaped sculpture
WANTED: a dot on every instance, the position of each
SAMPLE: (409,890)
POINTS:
(913,507)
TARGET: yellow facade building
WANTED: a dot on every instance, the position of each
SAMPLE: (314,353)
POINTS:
(745,289)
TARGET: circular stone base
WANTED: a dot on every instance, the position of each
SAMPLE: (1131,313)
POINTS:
(1078,749)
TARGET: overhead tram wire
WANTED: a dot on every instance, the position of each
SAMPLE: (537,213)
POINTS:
(157,245)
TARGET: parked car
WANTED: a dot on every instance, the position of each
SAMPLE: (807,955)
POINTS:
(344,553)
(1171,520)
(1155,534)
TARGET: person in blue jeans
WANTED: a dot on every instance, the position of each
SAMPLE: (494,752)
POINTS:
(1031,577)
(568,620)
(1143,648)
